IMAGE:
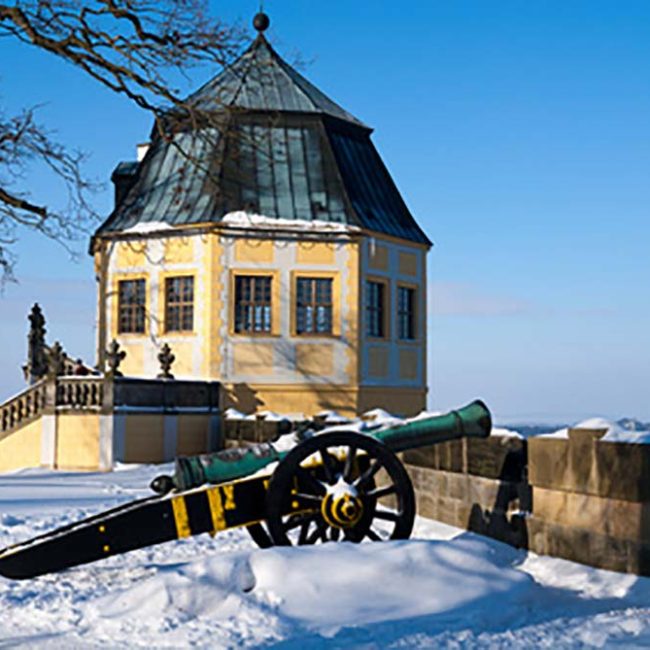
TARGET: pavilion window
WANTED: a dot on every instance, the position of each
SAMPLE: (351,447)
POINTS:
(314,306)
(131,306)
(406,303)
(179,304)
(253,304)
(375,309)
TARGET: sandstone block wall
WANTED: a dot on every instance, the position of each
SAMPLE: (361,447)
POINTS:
(474,484)
(591,500)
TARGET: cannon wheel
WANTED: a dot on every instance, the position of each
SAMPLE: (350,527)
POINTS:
(339,493)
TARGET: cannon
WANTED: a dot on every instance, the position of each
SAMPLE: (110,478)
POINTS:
(334,485)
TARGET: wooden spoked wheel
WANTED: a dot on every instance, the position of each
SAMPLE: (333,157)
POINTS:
(339,486)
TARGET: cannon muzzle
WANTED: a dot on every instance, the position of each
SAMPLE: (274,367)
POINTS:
(471,421)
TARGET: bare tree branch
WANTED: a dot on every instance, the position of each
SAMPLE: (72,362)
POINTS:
(132,47)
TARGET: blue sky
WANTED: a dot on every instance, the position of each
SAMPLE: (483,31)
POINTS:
(518,133)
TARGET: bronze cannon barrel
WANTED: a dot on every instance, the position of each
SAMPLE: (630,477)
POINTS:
(473,420)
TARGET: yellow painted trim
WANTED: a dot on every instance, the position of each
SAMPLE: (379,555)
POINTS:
(114,297)
(229,496)
(387,307)
(181,518)
(354,303)
(275,301)
(335,276)
(216,509)
(213,317)
(162,302)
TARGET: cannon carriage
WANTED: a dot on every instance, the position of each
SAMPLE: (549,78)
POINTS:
(337,485)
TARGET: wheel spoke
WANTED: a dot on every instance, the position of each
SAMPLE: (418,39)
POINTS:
(349,463)
(310,481)
(308,497)
(380,492)
(329,465)
(373,535)
(319,533)
(385,514)
(368,474)
(294,522)
(304,530)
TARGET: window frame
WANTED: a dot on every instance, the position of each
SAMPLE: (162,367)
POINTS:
(275,301)
(415,312)
(119,280)
(165,279)
(386,308)
(335,302)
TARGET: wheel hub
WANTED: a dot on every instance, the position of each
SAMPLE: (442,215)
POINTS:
(342,507)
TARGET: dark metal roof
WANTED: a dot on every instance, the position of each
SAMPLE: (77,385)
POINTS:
(291,154)
(260,80)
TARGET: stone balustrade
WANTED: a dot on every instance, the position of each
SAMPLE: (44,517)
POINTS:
(23,408)
(80,392)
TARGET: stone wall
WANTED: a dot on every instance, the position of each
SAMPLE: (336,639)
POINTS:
(579,498)
(591,500)
(474,484)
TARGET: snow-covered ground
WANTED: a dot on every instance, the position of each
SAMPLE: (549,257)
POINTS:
(443,588)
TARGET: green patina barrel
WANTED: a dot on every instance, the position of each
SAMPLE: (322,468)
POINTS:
(473,420)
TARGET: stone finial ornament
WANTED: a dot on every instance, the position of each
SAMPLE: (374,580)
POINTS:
(166,359)
(37,363)
(55,361)
(114,357)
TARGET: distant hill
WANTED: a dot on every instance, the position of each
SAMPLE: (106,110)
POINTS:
(632,424)
(528,430)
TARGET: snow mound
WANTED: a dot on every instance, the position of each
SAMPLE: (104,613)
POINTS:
(445,588)
(329,587)
(321,589)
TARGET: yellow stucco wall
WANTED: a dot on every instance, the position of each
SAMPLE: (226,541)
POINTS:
(281,357)
(133,363)
(254,250)
(22,448)
(253,358)
(315,359)
(178,250)
(130,253)
(315,253)
(143,438)
(378,258)
(400,401)
(408,263)
(192,436)
(77,441)
(307,399)
(408,364)
(378,361)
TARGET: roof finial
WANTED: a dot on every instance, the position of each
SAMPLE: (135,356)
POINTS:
(261,21)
